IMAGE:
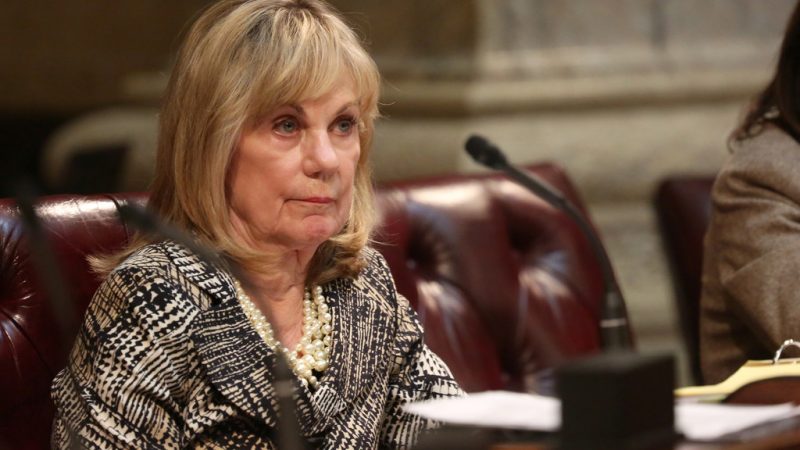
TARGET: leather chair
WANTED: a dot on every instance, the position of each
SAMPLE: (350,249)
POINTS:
(683,207)
(32,349)
(505,286)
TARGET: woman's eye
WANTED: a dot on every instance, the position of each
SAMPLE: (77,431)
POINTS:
(345,126)
(286,126)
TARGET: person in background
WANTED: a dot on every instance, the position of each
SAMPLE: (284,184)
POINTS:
(750,300)
(263,149)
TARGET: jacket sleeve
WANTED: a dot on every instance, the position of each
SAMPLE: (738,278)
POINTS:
(756,232)
(117,389)
(416,373)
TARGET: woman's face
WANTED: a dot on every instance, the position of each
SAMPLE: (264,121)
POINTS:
(291,177)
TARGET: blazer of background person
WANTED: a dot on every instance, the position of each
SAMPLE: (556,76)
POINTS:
(751,271)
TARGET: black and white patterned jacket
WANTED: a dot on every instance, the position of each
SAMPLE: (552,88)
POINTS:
(167,359)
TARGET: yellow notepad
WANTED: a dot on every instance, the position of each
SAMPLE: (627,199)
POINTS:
(751,371)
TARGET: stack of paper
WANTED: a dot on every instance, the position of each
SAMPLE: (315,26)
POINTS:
(500,409)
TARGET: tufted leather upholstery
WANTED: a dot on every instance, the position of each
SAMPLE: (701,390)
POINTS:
(30,349)
(505,286)
(683,205)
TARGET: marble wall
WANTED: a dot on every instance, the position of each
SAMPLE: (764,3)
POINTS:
(648,87)
(521,38)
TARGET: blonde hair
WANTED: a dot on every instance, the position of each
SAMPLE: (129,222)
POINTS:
(240,60)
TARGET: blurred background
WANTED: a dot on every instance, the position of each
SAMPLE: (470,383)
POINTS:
(621,93)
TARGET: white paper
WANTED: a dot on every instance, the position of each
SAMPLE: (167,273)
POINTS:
(501,409)
(496,409)
(705,422)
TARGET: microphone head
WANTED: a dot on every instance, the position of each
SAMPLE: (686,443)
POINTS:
(485,153)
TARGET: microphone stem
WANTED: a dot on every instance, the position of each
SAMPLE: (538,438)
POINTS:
(289,436)
(614,331)
(47,268)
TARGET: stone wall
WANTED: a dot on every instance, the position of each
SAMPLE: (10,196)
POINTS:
(648,87)
(470,39)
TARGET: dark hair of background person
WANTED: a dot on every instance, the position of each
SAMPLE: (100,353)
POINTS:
(779,102)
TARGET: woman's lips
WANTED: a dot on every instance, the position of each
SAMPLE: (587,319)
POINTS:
(317,200)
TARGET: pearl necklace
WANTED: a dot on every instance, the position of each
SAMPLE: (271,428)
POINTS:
(313,351)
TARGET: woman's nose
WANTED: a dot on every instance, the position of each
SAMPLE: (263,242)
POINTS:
(321,156)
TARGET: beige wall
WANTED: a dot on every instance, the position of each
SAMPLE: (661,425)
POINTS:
(70,55)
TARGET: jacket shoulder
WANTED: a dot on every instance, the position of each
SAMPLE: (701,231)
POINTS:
(772,150)
(147,284)
(765,164)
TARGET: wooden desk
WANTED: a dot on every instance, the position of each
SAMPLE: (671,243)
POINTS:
(787,440)
(783,436)
(784,441)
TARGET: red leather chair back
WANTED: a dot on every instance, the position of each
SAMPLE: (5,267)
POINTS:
(505,285)
(30,350)
(683,205)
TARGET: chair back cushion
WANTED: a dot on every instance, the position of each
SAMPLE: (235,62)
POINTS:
(32,349)
(505,285)
(683,206)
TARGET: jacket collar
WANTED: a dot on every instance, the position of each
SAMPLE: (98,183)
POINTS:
(241,366)
(237,362)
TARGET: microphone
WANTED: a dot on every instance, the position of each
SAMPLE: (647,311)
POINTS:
(289,436)
(614,380)
(614,329)
(46,264)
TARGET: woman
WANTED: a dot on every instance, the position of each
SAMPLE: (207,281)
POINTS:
(749,303)
(263,149)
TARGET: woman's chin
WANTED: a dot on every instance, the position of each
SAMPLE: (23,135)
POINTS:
(316,235)
(308,234)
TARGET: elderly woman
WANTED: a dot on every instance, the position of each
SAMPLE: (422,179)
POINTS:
(263,150)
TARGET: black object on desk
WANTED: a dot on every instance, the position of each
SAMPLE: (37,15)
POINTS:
(451,437)
(617,401)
